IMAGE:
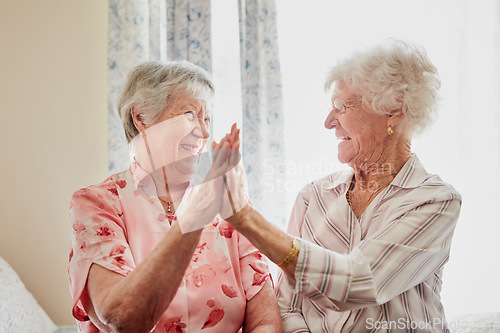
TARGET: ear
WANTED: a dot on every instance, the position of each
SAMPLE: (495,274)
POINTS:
(138,122)
(393,120)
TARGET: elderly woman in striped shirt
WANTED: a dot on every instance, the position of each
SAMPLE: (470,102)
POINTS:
(365,248)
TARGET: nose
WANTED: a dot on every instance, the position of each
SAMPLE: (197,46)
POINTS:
(331,119)
(205,132)
(201,130)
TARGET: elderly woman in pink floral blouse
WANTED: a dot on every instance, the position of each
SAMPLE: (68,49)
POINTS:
(131,268)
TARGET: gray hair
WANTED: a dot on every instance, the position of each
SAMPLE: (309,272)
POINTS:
(393,76)
(151,86)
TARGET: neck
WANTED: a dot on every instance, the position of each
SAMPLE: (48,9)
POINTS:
(378,173)
(174,194)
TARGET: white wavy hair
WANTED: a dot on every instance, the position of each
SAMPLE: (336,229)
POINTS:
(392,77)
(152,85)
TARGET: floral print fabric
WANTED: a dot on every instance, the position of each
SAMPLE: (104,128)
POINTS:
(116,226)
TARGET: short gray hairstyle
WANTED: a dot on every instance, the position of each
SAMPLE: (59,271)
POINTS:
(152,85)
(392,76)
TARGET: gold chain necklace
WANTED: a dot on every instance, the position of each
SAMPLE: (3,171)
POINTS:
(348,194)
(170,213)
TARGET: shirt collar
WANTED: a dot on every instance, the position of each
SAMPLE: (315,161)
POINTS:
(411,175)
(143,180)
(145,184)
(345,178)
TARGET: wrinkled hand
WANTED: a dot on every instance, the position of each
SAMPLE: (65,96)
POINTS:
(211,197)
(236,198)
(235,183)
(226,154)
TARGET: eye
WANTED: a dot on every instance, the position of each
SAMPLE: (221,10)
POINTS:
(207,120)
(338,105)
(191,115)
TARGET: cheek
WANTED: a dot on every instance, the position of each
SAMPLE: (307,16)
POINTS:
(364,134)
(163,139)
(183,128)
(171,131)
(356,131)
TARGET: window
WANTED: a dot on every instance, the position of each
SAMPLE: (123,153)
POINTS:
(463,145)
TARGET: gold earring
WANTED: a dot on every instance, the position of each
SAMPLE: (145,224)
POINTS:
(390,131)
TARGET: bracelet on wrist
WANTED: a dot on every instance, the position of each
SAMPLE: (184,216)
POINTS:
(292,254)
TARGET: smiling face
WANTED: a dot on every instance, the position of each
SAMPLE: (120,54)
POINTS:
(190,119)
(175,140)
(362,133)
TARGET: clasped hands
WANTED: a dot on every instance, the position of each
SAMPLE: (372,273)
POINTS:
(223,191)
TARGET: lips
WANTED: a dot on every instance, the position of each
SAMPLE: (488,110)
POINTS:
(193,149)
(343,138)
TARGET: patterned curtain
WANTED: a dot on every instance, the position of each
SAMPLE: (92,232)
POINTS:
(189,31)
(181,29)
(146,30)
(262,130)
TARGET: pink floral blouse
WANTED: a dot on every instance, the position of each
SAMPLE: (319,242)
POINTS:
(116,224)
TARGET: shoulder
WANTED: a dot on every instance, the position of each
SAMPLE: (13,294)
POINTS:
(426,194)
(434,187)
(101,195)
(109,185)
(415,176)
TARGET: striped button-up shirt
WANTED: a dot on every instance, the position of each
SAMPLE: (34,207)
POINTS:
(377,273)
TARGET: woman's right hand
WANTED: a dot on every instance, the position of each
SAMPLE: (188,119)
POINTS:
(226,154)
(209,196)
(234,178)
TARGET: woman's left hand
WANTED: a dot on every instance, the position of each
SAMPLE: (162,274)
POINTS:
(226,153)
(213,195)
(235,184)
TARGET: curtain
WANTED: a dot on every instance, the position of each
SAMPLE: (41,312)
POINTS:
(181,29)
(137,32)
(263,121)
(189,31)
(146,30)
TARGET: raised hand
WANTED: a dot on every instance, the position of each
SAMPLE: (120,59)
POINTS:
(212,196)
(226,153)
(234,179)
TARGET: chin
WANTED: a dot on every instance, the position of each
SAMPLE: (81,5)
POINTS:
(188,166)
(342,158)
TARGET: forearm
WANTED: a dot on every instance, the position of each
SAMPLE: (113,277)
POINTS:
(137,302)
(271,241)
(262,313)
(266,328)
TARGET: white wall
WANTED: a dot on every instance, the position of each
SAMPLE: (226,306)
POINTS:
(53,136)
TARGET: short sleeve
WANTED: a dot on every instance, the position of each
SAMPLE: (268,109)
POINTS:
(253,266)
(97,236)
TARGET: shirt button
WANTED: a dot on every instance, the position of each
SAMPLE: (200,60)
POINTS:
(161,217)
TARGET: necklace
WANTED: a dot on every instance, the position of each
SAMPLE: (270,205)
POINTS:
(170,213)
(348,194)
